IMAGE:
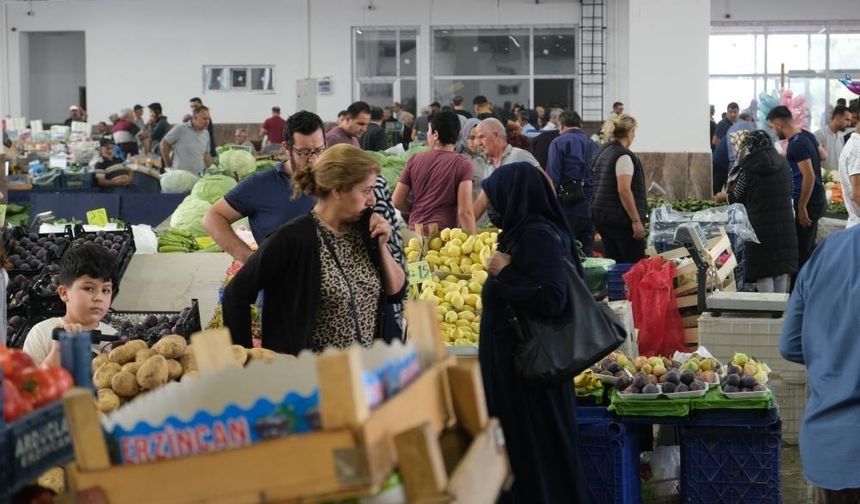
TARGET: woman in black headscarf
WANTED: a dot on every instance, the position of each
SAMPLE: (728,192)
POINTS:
(762,183)
(528,272)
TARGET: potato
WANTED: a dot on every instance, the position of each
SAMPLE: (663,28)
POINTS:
(100,359)
(240,354)
(104,374)
(187,360)
(263,354)
(171,346)
(123,354)
(132,367)
(174,369)
(143,354)
(107,400)
(124,384)
(53,479)
(137,344)
(153,373)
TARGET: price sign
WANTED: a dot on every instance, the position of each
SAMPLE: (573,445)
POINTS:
(97,217)
(419,272)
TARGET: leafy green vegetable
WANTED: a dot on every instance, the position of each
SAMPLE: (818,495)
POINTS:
(188,216)
(212,187)
(240,163)
(176,181)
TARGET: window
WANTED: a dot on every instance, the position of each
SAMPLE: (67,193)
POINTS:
(258,79)
(745,65)
(509,65)
(385,65)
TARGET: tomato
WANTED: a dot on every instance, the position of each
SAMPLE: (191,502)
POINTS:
(36,387)
(61,378)
(13,362)
(14,406)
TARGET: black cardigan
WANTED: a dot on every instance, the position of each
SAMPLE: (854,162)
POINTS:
(287,269)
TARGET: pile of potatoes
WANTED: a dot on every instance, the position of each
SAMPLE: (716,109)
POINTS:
(133,368)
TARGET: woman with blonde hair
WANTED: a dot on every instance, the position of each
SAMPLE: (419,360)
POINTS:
(327,277)
(620,205)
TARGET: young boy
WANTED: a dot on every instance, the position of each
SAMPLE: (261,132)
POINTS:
(86,287)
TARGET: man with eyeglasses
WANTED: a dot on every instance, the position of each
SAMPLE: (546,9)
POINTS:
(265,197)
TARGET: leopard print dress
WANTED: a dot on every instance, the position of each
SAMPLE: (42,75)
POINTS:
(335,325)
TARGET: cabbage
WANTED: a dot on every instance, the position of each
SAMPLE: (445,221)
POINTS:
(238,162)
(188,216)
(212,187)
(175,181)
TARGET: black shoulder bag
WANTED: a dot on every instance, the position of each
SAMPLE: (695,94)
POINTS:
(553,350)
(571,193)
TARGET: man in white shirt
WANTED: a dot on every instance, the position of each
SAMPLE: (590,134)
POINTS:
(832,138)
(849,176)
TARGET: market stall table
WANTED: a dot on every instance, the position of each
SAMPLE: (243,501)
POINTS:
(167,282)
(134,208)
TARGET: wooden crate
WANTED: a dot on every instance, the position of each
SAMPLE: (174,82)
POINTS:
(716,247)
(352,456)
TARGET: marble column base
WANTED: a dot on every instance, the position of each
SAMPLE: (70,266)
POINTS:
(681,174)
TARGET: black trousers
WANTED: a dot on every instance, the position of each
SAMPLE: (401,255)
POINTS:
(619,244)
(805,241)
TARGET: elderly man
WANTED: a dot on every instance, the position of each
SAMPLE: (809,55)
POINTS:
(240,138)
(189,142)
(497,152)
(540,144)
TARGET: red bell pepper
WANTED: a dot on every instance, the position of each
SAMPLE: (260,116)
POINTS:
(62,380)
(36,387)
(13,362)
(14,406)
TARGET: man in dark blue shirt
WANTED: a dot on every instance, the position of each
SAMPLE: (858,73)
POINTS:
(804,157)
(570,158)
(266,197)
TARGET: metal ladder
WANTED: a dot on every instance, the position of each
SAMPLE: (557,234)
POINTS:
(592,65)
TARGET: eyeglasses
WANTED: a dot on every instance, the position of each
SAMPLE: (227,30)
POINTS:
(307,154)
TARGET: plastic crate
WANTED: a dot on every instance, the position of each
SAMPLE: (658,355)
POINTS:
(186,326)
(34,444)
(731,465)
(125,254)
(757,337)
(791,400)
(83,179)
(609,455)
(615,282)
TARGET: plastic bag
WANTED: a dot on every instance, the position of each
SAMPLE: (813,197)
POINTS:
(665,472)
(145,240)
(655,310)
(733,218)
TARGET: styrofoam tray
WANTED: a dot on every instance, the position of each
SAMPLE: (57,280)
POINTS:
(686,395)
(640,397)
(745,395)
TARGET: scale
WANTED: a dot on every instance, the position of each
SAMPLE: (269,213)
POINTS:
(690,236)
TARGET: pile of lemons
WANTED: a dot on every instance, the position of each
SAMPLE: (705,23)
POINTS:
(462,258)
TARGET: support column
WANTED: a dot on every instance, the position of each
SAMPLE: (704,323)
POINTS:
(667,89)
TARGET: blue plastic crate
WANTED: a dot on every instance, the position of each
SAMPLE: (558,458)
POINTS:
(617,291)
(84,179)
(728,465)
(609,455)
(33,444)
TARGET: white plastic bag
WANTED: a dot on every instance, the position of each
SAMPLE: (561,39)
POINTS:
(145,240)
(665,463)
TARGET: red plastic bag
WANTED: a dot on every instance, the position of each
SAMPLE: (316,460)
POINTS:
(655,310)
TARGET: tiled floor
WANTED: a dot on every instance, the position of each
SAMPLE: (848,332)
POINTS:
(795,490)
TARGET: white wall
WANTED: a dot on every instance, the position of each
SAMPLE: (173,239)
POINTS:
(57,71)
(141,51)
(667,78)
(164,43)
(784,10)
